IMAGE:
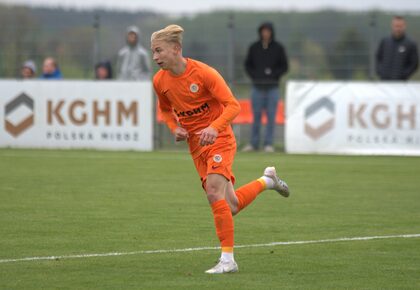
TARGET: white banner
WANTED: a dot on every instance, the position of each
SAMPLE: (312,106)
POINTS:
(353,118)
(76,114)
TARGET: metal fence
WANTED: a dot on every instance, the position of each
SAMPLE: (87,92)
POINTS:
(348,55)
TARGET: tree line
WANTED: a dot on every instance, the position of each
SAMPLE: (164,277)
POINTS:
(324,44)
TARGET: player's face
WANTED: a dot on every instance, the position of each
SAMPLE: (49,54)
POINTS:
(164,53)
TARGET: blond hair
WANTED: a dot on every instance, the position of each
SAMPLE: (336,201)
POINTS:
(171,33)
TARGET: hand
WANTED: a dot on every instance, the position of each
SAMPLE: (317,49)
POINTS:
(180,134)
(207,136)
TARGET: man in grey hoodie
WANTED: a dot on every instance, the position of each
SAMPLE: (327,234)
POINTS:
(133,61)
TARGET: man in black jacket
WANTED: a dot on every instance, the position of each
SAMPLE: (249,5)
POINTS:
(265,63)
(397,57)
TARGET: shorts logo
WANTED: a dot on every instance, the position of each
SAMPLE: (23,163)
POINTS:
(16,125)
(217,158)
(194,88)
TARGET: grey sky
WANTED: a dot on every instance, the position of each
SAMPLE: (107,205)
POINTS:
(192,6)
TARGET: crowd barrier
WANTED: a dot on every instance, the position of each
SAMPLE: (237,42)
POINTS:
(321,117)
(76,114)
(353,118)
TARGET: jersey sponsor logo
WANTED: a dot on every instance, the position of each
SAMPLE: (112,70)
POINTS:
(194,88)
(217,158)
(203,108)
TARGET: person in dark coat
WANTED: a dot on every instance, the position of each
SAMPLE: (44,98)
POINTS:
(265,63)
(397,56)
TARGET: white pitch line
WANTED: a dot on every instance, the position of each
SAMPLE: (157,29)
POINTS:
(406,236)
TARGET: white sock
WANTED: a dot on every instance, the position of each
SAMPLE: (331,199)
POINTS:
(227,256)
(269,182)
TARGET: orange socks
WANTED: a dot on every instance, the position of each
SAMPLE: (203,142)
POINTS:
(247,193)
(222,214)
(224,224)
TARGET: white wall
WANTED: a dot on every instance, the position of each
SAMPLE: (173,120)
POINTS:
(76,114)
(353,118)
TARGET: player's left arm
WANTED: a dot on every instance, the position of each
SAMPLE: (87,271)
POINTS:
(219,90)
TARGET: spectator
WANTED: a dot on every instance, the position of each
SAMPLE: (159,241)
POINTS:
(103,70)
(28,70)
(50,69)
(265,63)
(396,57)
(133,60)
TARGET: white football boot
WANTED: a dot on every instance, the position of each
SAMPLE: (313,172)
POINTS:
(279,185)
(224,267)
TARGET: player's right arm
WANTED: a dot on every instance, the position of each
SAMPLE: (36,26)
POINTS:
(168,116)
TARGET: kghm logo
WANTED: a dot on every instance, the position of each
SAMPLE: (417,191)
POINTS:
(19,114)
(318,110)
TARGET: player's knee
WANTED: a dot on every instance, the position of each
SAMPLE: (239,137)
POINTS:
(213,193)
(214,196)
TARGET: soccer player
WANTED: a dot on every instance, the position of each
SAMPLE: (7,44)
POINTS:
(198,107)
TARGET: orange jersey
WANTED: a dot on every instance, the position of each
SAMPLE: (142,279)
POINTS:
(195,100)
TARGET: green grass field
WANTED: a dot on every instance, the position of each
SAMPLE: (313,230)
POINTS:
(61,203)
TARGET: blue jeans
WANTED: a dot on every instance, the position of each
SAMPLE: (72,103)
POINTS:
(264,100)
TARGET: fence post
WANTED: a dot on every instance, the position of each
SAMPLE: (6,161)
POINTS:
(372,44)
(96,41)
(231,51)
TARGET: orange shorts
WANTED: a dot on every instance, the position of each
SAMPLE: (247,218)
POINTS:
(216,159)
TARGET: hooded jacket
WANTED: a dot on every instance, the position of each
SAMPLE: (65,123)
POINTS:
(133,60)
(396,58)
(266,65)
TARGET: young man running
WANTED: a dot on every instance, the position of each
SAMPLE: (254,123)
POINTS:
(199,107)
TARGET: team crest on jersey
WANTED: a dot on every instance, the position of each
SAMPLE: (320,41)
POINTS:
(194,88)
(217,158)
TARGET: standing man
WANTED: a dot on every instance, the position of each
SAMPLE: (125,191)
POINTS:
(133,60)
(198,107)
(396,57)
(265,63)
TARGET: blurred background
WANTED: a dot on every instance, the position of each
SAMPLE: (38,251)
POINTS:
(326,40)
